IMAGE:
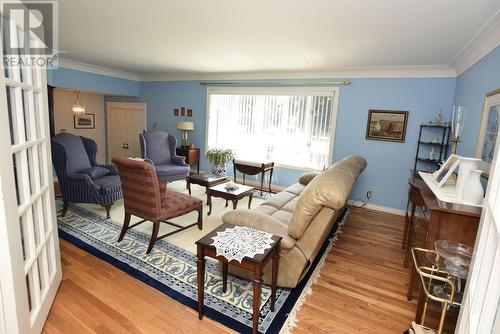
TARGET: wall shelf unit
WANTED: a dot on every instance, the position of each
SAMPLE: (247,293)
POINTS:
(439,145)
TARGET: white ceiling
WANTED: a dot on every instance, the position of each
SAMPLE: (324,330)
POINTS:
(187,37)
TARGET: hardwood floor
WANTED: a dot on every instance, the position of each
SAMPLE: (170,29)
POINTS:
(362,289)
(363,285)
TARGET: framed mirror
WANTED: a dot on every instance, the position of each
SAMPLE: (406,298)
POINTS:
(488,130)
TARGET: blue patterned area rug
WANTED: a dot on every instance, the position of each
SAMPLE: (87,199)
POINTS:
(172,270)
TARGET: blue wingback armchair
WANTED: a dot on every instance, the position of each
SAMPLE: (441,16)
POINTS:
(81,179)
(159,147)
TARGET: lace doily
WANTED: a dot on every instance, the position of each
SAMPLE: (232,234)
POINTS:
(235,243)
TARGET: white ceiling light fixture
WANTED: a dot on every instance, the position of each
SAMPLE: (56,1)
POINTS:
(78,108)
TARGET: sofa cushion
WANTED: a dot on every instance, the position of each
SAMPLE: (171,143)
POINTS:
(283,216)
(95,172)
(266,209)
(307,177)
(280,199)
(329,189)
(260,221)
(295,189)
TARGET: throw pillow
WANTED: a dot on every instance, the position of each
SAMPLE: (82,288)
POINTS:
(95,172)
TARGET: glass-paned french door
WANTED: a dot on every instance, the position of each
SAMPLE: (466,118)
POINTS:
(480,311)
(31,269)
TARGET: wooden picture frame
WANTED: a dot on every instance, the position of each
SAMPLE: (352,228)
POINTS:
(176,112)
(387,125)
(85,121)
(183,111)
(444,172)
(189,113)
(488,131)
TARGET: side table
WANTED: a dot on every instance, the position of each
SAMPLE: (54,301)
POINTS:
(229,195)
(204,180)
(255,264)
(192,155)
(254,168)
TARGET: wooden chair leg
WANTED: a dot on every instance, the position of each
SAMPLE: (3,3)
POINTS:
(65,209)
(107,207)
(154,236)
(200,218)
(126,223)
(407,223)
(410,236)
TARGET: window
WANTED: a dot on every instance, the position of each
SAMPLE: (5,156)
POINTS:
(294,127)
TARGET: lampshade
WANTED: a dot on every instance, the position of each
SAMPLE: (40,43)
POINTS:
(78,108)
(185,125)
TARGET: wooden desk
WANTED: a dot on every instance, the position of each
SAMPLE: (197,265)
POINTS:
(444,220)
(254,168)
(192,155)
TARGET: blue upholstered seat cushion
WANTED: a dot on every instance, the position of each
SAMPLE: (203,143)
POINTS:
(95,172)
(109,184)
(170,169)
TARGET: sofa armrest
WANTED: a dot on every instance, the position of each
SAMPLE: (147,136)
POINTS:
(260,221)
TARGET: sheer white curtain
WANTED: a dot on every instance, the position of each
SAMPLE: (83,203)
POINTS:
(292,127)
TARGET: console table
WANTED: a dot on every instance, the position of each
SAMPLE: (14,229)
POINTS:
(449,221)
(254,168)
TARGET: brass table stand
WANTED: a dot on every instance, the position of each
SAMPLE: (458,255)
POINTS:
(429,276)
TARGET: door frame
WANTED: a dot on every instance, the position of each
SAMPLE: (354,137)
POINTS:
(122,105)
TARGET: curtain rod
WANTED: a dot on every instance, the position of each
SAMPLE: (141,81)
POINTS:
(232,83)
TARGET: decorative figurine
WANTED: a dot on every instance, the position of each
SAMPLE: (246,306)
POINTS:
(431,153)
(438,118)
(434,140)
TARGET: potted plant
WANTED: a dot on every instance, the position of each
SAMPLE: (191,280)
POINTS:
(219,158)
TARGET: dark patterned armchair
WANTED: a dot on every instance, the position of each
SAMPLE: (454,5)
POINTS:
(159,148)
(81,179)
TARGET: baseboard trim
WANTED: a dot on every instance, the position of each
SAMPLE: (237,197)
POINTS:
(376,207)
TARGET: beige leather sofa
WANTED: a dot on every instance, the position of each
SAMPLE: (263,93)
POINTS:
(303,215)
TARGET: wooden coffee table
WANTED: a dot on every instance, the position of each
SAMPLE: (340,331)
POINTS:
(255,264)
(205,180)
(229,195)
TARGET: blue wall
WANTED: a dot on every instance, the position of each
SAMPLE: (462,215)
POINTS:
(388,163)
(471,87)
(73,79)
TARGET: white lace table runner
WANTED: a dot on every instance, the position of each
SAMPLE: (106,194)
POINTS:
(235,243)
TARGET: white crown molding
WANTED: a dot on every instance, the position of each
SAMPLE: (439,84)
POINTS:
(417,71)
(483,42)
(96,69)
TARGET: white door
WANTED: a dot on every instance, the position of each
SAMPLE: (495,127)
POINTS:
(480,311)
(125,121)
(30,269)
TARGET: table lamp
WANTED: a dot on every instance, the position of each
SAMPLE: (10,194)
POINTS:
(185,126)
